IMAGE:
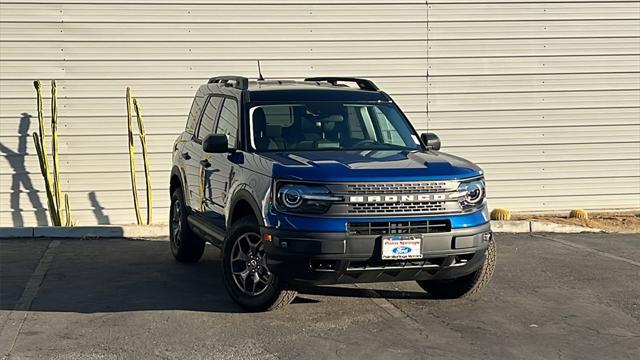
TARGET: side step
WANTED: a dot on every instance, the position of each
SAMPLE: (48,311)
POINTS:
(203,229)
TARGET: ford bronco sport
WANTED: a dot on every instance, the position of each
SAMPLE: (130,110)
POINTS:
(315,182)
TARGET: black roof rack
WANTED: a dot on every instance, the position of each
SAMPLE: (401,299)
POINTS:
(363,84)
(239,82)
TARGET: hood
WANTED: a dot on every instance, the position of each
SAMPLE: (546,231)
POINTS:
(338,166)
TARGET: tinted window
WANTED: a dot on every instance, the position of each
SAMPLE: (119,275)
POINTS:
(389,132)
(209,117)
(196,107)
(228,123)
(330,125)
(355,125)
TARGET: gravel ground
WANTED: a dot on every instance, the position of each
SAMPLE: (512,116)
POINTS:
(553,296)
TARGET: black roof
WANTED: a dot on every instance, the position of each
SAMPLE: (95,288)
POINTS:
(318,88)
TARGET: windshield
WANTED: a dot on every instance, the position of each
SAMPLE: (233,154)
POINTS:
(327,125)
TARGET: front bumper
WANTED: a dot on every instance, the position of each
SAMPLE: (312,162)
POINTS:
(339,257)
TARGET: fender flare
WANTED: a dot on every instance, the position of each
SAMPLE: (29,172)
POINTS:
(244,195)
(175,171)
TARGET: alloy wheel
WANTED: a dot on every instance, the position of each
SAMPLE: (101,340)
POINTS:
(249,265)
(176,223)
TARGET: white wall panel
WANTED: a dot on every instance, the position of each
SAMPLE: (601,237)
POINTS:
(550,92)
(544,95)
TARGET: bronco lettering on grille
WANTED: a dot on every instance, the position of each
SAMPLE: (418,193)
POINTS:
(399,198)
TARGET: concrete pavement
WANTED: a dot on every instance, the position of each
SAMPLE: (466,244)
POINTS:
(564,296)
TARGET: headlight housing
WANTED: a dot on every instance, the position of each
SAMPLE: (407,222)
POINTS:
(472,194)
(303,198)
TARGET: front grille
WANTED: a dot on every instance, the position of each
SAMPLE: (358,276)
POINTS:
(398,208)
(402,227)
(414,198)
(399,188)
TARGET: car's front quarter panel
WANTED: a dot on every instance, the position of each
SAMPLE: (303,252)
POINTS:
(252,184)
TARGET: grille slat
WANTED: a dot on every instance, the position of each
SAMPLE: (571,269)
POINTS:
(403,227)
(392,208)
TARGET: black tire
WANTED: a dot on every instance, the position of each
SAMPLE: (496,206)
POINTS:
(467,286)
(186,247)
(258,289)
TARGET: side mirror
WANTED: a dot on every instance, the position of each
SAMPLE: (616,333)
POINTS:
(431,141)
(215,143)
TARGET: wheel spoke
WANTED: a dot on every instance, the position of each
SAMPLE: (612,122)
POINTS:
(240,256)
(255,281)
(264,280)
(242,273)
(244,282)
(244,244)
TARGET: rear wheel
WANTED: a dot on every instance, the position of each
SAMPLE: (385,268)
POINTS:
(246,275)
(186,247)
(466,286)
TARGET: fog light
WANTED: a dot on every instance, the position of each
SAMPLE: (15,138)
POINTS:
(486,237)
(266,237)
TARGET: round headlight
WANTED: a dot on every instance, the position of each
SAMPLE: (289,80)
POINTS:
(290,196)
(475,192)
(304,198)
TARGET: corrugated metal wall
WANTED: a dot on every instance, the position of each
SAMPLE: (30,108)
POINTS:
(544,95)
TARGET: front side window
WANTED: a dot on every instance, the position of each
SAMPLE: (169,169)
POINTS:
(228,123)
(326,125)
(208,117)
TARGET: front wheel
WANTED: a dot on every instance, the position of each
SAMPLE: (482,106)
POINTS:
(466,286)
(246,275)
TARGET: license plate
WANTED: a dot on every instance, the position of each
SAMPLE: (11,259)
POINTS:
(401,247)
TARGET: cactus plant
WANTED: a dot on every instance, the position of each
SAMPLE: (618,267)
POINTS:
(132,102)
(500,214)
(579,214)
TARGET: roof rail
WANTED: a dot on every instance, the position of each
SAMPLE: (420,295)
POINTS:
(363,84)
(239,82)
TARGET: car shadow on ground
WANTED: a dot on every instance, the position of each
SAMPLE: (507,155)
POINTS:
(103,276)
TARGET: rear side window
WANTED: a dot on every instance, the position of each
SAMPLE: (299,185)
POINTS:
(208,117)
(194,114)
(228,123)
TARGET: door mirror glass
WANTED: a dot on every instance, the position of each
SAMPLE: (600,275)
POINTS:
(431,141)
(215,143)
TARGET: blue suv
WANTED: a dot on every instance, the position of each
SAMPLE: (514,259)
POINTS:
(315,182)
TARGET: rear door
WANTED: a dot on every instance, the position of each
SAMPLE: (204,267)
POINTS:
(193,155)
(222,170)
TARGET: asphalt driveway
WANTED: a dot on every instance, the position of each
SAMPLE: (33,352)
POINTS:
(553,297)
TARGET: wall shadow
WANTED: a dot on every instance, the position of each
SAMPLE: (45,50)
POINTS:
(20,178)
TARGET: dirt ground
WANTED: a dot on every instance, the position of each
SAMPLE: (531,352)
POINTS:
(622,222)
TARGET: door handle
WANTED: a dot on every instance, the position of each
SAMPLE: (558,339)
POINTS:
(205,163)
(186,156)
